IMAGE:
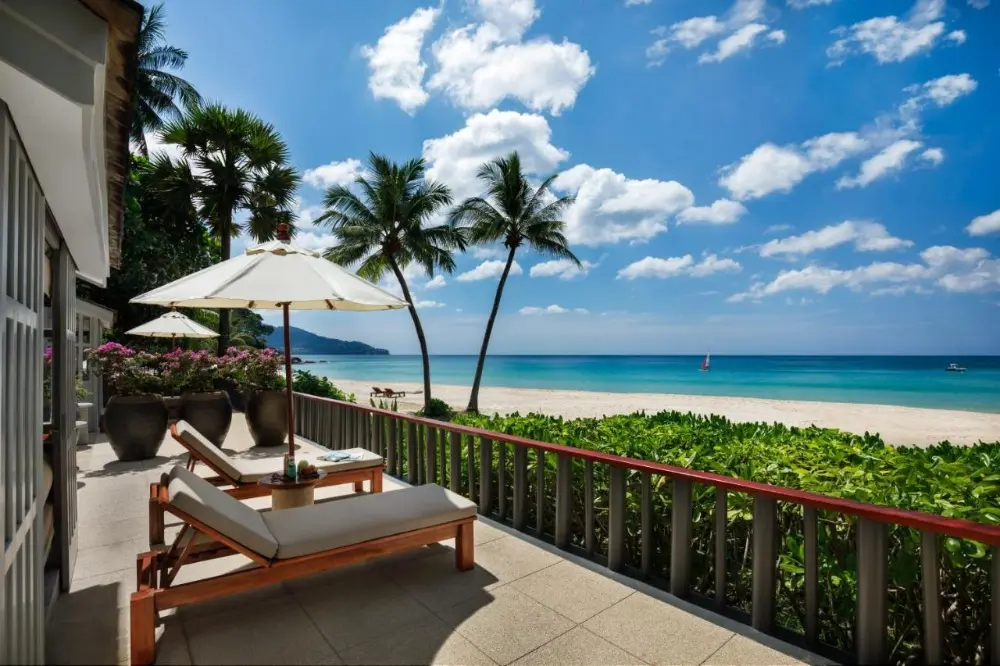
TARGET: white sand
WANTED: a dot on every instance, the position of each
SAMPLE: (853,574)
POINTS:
(897,425)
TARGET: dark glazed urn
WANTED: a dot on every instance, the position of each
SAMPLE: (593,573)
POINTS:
(173,403)
(236,397)
(135,426)
(210,413)
(267,417)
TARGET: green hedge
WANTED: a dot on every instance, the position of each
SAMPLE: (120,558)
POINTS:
(953,481)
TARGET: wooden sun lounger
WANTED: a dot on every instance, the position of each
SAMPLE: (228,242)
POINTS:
(389,393)
(376,392)
(242,475)
(283,544)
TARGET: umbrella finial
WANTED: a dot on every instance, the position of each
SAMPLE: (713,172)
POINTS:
(283,232)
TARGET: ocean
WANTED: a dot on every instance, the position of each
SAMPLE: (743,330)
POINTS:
(914,381)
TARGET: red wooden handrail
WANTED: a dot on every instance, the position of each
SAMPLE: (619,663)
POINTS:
(928,522)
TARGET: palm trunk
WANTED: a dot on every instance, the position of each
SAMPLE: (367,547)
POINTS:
(474,396)
(226,249)
(425,357)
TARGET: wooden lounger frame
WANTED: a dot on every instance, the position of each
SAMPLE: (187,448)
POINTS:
(249,489)
(157,568)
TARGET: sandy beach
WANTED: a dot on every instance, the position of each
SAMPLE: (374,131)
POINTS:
(897,425)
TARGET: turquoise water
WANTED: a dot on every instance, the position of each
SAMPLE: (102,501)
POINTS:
(915,381)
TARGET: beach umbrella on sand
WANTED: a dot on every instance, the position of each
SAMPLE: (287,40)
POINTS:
(276,275)
(173,325)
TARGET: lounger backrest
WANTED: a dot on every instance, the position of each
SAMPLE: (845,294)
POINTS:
(196,442)
(226,515)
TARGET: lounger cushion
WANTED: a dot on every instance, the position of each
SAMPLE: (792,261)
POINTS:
(195,441)
(230,517)
(254,469)
(313,529)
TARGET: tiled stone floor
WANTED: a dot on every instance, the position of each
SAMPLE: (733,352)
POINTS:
(524,603)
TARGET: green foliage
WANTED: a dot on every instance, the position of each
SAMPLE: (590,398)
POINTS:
(385,404)
(437,409)
(304,381)
(953,481)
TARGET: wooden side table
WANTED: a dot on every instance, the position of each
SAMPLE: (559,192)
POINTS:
(291,493)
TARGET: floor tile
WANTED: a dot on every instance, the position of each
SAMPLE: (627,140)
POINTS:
(579,647)
(113,557)
(657,632)
(507,627)
(97,638)
(511,558)
(572,590)
(436,583)
(428,642)
(747,652)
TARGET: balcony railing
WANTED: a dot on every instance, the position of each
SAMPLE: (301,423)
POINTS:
(593,519)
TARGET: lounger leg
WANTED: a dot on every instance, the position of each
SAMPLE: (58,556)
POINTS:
(359,486)
(143,627)
(465,557)
(376,483)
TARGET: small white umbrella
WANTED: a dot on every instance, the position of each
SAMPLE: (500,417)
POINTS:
(275,275)
(173,325)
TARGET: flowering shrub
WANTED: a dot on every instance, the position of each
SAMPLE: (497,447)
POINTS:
(127,371)
(81,390)
(189,371)
(252,369)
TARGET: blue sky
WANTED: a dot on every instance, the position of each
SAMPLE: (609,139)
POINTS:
(788,176)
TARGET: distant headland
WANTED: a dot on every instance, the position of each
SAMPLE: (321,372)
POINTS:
(306,342)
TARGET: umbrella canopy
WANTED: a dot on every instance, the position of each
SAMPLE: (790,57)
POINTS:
(275,275)
(173,325)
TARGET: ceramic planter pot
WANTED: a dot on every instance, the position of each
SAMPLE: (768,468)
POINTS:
(173,403)
(135,425)
(210,413)
(267,417)
(236,397)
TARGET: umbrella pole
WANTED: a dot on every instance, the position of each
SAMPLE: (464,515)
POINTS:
(288,383)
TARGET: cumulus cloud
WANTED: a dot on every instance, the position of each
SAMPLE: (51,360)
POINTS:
(310,240)
(397,68)
(487,270)
(334,173)
(551,310)
(722,211)
(421,304)
(802,4)
(777,228)
(979,4)
(950,268)
(564,269)
(890,159)
(866,237)
(455,158)
(633,3)
(737,31)
(611,207)
(656,267)
(481,64)
(890,39)
(957,36)
(933,155)
(436,282)
(484,252)
(985,224)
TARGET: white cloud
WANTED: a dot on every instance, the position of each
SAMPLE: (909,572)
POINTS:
(985,224)
(552,309)
(890,159)
(802,4)
(611,208)
(334,173)
(397,69)
(866,237)
(933,155)
(455,158)
(953,269)
(436,282)
(481,252)
(722,211)
(479,65)
(771,168)
(487,270)
(979,4)
(656,267)
(564,269)
(737,31)
(427,305)
(310,240)
(633,3)
(889,39)
(777,228)
(957,36)
(941,92)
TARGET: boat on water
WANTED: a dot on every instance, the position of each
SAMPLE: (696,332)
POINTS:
(706,365)
(954,367)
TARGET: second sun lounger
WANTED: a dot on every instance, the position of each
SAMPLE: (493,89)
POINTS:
(283,544)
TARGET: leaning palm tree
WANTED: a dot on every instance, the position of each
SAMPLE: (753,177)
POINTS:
(381,230)
(515,212)
(156,91)
(234,162)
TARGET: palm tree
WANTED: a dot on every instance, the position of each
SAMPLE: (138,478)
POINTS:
(382,230)
(518,214)
(234,162)
(156,91)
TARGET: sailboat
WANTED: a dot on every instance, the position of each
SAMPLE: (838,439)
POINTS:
(706,365)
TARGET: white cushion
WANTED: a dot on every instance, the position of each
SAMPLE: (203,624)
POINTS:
(226,515)
(321,527)
(197,442)
(254,469)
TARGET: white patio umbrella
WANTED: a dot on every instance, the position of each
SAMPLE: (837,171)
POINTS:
(275,275)
(173,325)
